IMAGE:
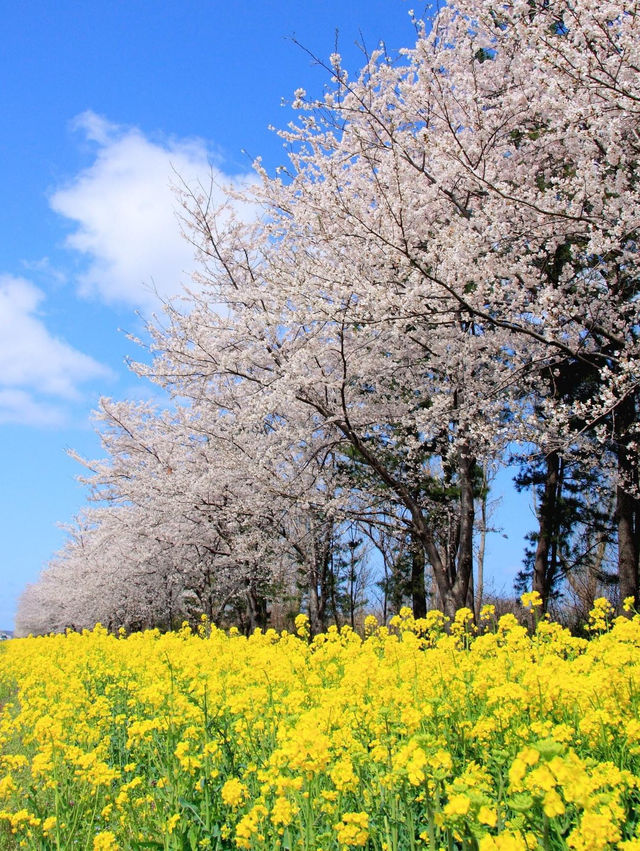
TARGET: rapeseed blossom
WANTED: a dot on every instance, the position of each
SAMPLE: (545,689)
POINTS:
(462,736)
(531,600)
(233,792)
(353,830)
(105,841)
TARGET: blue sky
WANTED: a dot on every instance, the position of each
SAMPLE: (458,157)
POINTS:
(98,102)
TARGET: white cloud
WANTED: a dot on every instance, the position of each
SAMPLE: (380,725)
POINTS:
(33,362)
(125,212)
(17,407)
(124,224)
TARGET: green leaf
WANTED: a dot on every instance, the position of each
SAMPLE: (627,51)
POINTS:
(521,802)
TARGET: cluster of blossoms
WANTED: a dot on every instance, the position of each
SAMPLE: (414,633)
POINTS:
(423,734)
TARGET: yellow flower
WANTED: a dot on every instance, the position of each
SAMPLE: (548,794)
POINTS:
(22,818)
(188,761)
(370,624)
(333,725)
(248,827)
(48,825)
(105,841)
(487,612)
(440,763)
(487,816)
(7,786)
(283,811)
(600,615)
(553,805)
(458,805)
(595,832)
(233,792)
(416,766)
(463,617)
(353,829)
(517,771)
(531,600)
(343,775)
(503,842)
(302,625)
(172,822)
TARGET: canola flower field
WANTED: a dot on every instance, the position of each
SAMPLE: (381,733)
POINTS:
(414,737)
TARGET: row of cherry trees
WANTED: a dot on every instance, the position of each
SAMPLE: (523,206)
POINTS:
(443,280)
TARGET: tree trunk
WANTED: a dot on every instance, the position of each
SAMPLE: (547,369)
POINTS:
(418,594)
(627,513)
(440,573)
(471,596)
(257,609)
(315,624)
(627,518)
(481,543)
(453,590)
(546,528)
(464,567)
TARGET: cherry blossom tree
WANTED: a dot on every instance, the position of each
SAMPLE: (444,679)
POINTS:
(453,231)
(445,270)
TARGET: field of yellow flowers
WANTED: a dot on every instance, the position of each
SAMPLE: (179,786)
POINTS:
(414,737)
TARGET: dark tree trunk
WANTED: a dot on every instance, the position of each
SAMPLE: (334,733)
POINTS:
(315,557)
(257,609)
(464,568)
(398,580)
(628,521)
(315,601)
(471,596)
(547,528)
(440,572)
(418,593)
(627,512)
(479,591)
(453,589)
